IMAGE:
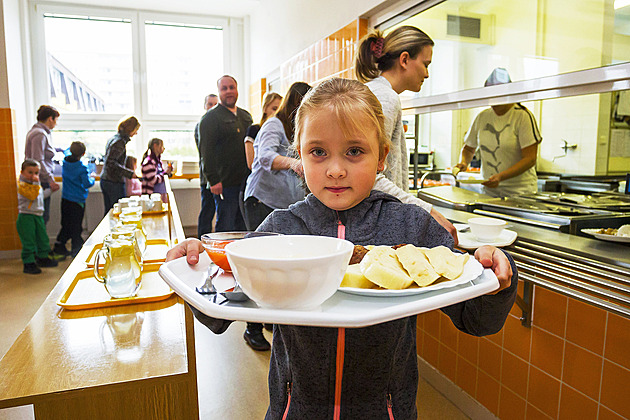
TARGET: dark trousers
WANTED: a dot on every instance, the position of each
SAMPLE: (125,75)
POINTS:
(255,212)
(208,208)
(112,192)
(46,185)
(71,224)
(229,217)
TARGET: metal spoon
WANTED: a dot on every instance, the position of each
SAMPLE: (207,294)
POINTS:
(235,294)
(208,287)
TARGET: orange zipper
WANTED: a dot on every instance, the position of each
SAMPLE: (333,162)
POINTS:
(341,342)
(341,345)
(390,407)
(286,410)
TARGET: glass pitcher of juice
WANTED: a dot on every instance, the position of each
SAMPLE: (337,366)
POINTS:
(133,219)
(133,231)
(122,272)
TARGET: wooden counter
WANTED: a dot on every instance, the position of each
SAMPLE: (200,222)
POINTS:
(125,362)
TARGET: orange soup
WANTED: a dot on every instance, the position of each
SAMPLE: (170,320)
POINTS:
(217,254)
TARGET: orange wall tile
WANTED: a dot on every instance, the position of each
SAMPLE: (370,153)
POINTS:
(573,362)
(256,92)
(328,57)
(8,189)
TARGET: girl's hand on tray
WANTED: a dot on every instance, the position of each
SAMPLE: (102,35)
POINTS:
(190,248)
(492,257)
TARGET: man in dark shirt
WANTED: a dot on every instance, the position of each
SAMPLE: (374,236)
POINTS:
(204,222)
(221,134)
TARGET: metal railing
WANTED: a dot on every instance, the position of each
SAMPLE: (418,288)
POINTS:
(600,284)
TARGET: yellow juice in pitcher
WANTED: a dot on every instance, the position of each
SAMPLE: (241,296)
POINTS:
(123,273)
(133,219)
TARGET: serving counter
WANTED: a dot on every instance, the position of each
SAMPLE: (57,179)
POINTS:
(119,362)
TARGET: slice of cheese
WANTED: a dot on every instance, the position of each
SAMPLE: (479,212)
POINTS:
(382,268)
(445,262)
(355,278)
(417,265)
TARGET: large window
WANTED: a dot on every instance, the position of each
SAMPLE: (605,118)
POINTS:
(98,65)
(183,65)
(90,63)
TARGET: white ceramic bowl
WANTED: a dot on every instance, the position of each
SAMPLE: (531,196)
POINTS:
(486,229)
(289,271)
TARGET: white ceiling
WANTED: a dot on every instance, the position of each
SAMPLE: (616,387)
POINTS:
(232,8)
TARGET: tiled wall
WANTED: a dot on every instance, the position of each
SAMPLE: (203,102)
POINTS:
(331,56)
(9,239)
(328,57)
(574,362)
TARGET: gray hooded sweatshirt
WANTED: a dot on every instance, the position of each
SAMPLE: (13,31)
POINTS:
(379,375)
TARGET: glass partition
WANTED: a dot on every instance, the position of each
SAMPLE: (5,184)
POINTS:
(532,40)
(582,135)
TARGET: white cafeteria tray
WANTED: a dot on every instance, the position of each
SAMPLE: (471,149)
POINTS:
(341,310)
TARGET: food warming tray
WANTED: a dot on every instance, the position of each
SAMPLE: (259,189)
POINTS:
(341,310)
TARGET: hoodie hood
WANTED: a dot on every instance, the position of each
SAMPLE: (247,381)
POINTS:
(322,220)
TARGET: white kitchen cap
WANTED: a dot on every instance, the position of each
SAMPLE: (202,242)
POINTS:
(498,76)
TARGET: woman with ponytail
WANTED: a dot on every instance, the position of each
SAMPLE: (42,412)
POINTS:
(389,65)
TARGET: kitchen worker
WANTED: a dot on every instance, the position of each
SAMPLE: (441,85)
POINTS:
(507,138)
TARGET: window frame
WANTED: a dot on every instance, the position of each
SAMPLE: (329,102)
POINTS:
(232,48)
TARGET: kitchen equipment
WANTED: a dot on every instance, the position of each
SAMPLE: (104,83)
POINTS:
(592,202)
(565,217)
(453,197)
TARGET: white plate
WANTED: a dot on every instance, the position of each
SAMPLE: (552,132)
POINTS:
(605,237)
(472,270)
(468,241)
(341,310)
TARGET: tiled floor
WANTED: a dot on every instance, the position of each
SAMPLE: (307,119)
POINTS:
(232,379)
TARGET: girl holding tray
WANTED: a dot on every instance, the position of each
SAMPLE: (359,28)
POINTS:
(369,372)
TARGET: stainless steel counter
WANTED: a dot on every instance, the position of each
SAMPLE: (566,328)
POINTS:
(590,270)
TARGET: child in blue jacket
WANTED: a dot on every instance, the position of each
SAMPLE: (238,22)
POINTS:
(356,373)
(76,182)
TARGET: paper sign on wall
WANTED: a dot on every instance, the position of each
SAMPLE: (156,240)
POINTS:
(619,143)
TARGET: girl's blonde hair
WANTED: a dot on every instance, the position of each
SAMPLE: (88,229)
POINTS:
(353,105)
(269,98)
(377,53)
(128,124)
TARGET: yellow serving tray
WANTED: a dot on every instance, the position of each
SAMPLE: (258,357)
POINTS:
(148,212)
(155,253)
(85,292)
